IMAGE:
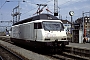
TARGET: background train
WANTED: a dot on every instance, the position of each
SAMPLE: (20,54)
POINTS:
(40,31)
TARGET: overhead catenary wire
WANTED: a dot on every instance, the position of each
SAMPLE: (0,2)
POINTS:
(69,3)
(33,8)
(29,11)
(3,4)
(36,7)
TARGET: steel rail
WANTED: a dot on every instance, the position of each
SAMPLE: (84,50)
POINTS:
(70,52)
(1,58)
(20,58)
(67,56)
(85,53)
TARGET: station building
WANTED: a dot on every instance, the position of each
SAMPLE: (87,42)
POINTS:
(86,25)
(67,26)
(86,28)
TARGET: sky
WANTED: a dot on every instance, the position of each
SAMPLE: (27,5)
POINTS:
(29,7)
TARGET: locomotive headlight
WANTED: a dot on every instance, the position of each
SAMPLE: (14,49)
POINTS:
(64,38)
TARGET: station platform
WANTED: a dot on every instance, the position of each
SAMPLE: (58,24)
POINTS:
(80,45)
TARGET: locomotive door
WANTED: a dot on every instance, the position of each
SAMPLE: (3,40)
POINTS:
(37,29)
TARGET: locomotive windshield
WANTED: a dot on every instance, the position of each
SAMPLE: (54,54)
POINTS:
(52,26)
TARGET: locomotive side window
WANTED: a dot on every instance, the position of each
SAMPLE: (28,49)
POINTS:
(37,25)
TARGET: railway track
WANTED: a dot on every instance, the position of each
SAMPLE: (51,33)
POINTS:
(20,53)
(68,54)
(8,55)
(79,52)
(5,38)
(1,58)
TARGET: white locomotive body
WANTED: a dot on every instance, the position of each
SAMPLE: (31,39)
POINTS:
(43,30)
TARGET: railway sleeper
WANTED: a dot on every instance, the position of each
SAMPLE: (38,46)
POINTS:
(78,51)
(75,56)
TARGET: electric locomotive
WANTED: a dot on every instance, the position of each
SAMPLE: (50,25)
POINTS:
(44,30)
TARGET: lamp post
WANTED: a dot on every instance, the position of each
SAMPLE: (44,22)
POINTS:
(71,13)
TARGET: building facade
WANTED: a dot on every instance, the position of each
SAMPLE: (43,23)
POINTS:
(86,25)
(67,26)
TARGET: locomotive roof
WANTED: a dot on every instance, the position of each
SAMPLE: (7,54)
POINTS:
(38,17)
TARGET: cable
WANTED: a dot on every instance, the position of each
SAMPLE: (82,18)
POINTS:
(65,2)
(49,1)
(3,4)
(29,11)
(33,8)
(30,2)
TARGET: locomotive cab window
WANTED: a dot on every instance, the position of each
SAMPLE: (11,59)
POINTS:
(62,27)
(52,26)
(38,25)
